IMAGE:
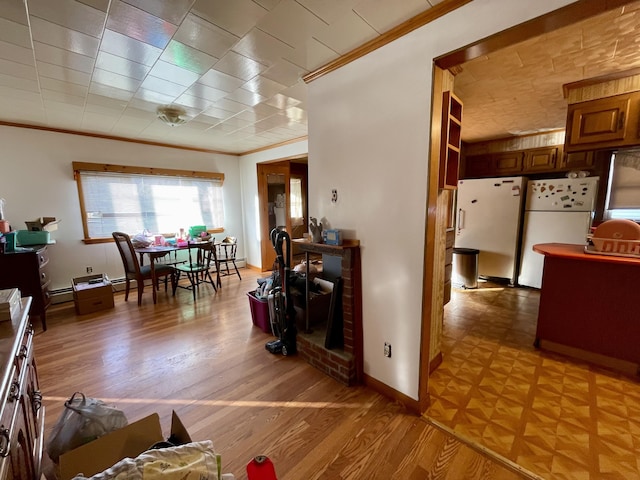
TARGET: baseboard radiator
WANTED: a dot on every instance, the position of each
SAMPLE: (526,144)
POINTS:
(62,295)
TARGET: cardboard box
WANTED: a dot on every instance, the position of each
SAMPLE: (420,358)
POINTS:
(130,441)
(92,293)
(48,224)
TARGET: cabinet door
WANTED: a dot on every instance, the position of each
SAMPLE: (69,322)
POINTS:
(603,120)
(478,166)
(540,159)
(577,160)
(508,162)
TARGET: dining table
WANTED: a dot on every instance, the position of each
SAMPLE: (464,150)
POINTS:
(156,252)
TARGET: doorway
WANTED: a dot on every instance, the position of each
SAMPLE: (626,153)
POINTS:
(282,195)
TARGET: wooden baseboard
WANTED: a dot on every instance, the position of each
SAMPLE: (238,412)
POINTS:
(617,364)
(408,402)
(435,362)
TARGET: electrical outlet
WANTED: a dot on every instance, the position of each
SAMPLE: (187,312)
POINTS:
(387,349)
(89,269)
(334,195)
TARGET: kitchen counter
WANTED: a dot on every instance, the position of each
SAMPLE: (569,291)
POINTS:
(587,306)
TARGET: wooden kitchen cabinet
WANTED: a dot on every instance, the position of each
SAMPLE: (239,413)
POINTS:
(577,160)
(29,272)
(451,141)
(508,163)
(603,123)
(478,166)
(21,409)
(540,159)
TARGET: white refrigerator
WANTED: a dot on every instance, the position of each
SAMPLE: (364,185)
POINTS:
(557,210)
(488,217)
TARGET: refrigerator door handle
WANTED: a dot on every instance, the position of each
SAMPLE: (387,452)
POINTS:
(460,219)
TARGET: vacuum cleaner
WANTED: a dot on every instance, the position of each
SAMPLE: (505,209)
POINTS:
(283,320)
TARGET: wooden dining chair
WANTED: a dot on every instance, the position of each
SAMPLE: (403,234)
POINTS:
(227,249)
(133,270)
(198,271)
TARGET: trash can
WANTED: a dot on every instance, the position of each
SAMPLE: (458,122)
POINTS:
(465,268)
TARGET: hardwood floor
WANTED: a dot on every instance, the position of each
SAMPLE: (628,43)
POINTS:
(557,417)
(206,361)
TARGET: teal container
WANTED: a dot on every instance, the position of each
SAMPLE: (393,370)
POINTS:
(10,246)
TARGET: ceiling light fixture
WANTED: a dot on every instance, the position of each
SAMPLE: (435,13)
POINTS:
(171,115)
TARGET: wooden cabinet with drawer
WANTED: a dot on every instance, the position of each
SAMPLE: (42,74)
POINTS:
(29,271)
(540,159)
(21,409)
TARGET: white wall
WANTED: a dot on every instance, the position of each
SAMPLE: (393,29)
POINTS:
(249,176)
(36,179)
(369,127)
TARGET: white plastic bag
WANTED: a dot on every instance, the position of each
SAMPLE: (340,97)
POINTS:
(82,421)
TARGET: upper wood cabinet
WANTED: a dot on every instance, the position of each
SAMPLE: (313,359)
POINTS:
(508,162)
(540,159)
(577,160)
(450,141)
(603,123)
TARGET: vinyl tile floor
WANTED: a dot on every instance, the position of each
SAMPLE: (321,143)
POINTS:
(557,417)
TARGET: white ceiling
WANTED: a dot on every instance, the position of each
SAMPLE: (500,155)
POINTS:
(235,66)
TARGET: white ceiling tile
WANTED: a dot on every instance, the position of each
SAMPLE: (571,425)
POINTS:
(98,121)
(20,70)
(16,33)
(187,57)
(61,97)
(246,97)
(14,11)
(18,83)
(285,72)
(297,91)
(204,36)
(102,5)
(20,111)
(9,95)
(162,86)
(135,23)
(239,66)
(64,58)
(296,114)
(262,47)
(384,15)
(129,48)
(282,102)
(263,86)
(237,17)
(71,14)
(292,23)
(140,108)
(259,112)
(229,105)
(97,102)
(111,79)
(206,92)
(63,87)
(346,33)
(16,53)
(332,10)
(65,38)
(177,75)
(267,4)
(50,70)
(153,96)
(113,63)
(112,92)
(173,11)
(312,55)
(221,81)
(194,102)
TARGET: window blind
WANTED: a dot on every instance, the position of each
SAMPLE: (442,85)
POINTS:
(133,202)
(624,187)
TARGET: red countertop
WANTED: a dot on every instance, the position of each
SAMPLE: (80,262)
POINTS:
(576,252)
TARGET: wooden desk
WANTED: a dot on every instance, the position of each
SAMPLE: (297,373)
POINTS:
(588,306)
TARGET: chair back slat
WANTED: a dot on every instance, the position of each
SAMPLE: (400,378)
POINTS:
(127,253)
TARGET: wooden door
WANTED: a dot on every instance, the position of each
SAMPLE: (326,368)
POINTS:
(273,181)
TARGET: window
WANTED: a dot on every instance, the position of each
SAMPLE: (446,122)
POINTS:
(623,196)
(295,197)
(131,200)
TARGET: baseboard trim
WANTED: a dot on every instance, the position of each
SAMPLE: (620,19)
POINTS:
(409,403)
(435,362)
